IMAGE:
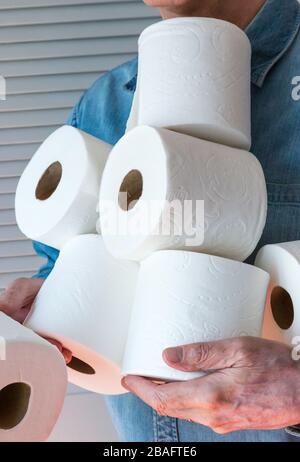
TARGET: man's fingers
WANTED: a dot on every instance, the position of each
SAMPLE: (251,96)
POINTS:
(193,400)
(142,388)
(209,356)
(163,398)
(170,398)
(55,343)
(67,354)
(18,297)
(19,294)
(21,314)
(34,285)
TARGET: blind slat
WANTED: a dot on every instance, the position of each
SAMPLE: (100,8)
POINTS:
(9,233)
(75,13)
(50,84)
(84,30)
(63,65)
(7,4)
(17,151)
(7,201)
(7,217)
(21,264)
(67,48)
(40,101)
(34,118)
(25,135)
(12,168)
(16,248)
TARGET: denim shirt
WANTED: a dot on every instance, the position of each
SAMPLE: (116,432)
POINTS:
(274,35)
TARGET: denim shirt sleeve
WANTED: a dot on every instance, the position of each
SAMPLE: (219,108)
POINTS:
(50,254)
(102,111)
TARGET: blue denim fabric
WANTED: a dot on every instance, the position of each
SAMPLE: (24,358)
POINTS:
(135,422)
(103,111)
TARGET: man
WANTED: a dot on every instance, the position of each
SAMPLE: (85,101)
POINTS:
(254,387)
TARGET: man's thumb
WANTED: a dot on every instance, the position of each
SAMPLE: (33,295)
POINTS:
(203,356)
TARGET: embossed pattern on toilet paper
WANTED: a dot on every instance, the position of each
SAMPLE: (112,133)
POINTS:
(201,70)
(85,304)
(192,298)
(232,187)
(229,181)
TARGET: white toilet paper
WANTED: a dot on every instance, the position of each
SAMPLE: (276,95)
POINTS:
(154,166)
(85,304)
(282,314)
(195,78)
(57,194)
(185,297)
(33,383)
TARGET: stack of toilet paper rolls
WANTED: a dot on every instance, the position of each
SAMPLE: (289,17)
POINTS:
(187,140)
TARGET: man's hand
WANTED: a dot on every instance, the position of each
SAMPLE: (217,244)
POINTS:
(17,300)
(252,384)
(67,354)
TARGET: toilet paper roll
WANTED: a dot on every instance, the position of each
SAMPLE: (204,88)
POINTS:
(33,383)
(156,168)
(186,297)
(85,304)
(282,313)
(57,194)
(195,78)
